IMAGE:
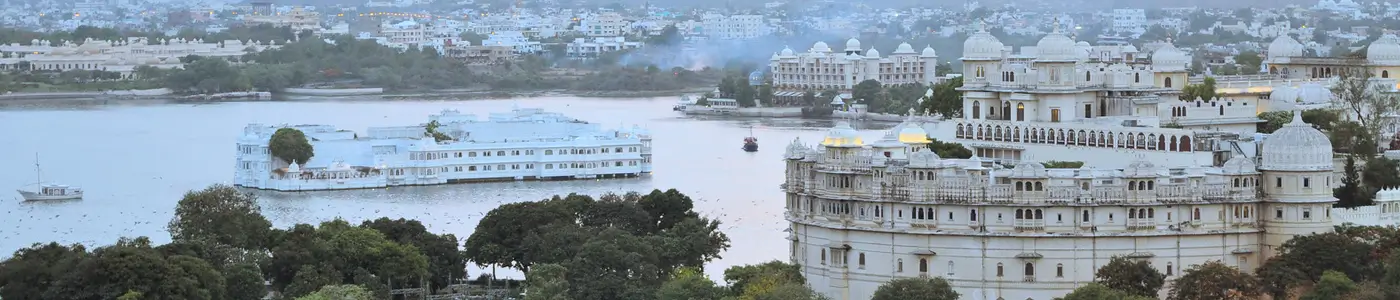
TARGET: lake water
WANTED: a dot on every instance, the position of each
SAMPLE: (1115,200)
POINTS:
(135,161)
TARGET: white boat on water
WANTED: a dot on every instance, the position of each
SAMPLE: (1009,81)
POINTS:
(49,192)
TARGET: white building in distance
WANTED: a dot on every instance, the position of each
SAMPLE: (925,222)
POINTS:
(584,48)
(821,69)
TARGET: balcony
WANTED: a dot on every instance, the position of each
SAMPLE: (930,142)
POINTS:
(1029,225)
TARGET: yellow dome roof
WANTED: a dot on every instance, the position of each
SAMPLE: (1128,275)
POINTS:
(842,136)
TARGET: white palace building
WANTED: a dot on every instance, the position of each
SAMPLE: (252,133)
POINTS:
(864,213)
(523,144)
(822,69)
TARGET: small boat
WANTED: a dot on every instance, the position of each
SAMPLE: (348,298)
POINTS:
(49,192)
(683,103)
(751,143)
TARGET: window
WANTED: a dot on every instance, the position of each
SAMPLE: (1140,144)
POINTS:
(1060,270)
(899,265)
(973,215)
(861,260)
(1307,214)
(1054,115)
(923,265)
(1278,213)
(1278,181)
(548,152)
(1000,270)
(1020,111)
(1169,269)
(1167,82)
(1306,182)
(950,268)
(500,153)
(1030,269)
(823,256)
(1085,216)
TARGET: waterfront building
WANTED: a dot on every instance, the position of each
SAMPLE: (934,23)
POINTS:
(821,69)
(515,40)
(1286,57)
(523,144)
(583,48)
(1073,101)
(122,56)
(863,213)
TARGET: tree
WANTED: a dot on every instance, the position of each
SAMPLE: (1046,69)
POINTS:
(244,282)
(809,98)
(445,262)
(1379,173)
(1320,118)
(1333,286)
(867,92)
(1350,194)
(31,273)
(1365,102)
(222,215)
(1204,90)
(1095,291)
(1213,280)
(689,284)
(340,292)
(1056,164)
(431,130)
(948,149)
(946,100)
(548,282)
(922,288)
(130,295)
(290,145)
(740,278)
(1134,277)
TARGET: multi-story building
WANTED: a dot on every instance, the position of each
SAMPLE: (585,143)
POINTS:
(405,34)
(1285,57)
(583,48)
(1061,98)
(822,69)
(515,40)
(864,213)
(604,24)
(298,19)
(480,55)
(735,27)
(1129,20)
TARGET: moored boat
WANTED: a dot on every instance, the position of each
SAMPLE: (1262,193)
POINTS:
(48,192)
(751,143)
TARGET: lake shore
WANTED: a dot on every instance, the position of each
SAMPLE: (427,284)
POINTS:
(445,94)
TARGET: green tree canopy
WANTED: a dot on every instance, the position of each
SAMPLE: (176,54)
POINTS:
(340,292)
(1135,277)
(223,215)
(1095,291)
(548,282)
(290,145)
(1204,90)
(948,149)
(689,284)
(921,288)
(1214,280)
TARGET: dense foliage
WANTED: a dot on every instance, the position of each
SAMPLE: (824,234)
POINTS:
(921,288)
(290,145)
(612,247)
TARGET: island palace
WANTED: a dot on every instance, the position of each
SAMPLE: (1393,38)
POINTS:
(523,144)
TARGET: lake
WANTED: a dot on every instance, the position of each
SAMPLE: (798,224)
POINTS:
(135,161)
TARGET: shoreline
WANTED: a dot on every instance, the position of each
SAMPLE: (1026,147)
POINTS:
(446,94)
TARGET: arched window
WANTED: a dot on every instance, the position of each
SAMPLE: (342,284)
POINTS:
(950,268)
(976,110)
(1020,111)
(1167,82)
(1169,269)
(1060,270)
(1030,269)
(1039,215)
(899,265)
(1086,76)
(1137,77)
(823,256)
(1085,216)
(973,215)
(861,260)
(923,265)
(1039,187)
(1000,270)
(1196,214)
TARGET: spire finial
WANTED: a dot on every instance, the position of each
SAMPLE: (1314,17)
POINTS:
(1055,27)
(1297,116)
(982,25)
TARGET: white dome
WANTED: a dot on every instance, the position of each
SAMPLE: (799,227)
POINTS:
(787,51)
(775,57)
(1240,165)
(1297,147)
(913,133)
(1057,47)
(1169,59)
(852,45)
(982,46)
(904,48)
(891,138)
(872,53)
(1130,49)
(928,52)
(1285,46)
(820,47)
(842,135)
(1384,51)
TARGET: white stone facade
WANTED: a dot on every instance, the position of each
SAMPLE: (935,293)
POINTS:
(583,48)
(119,56)
(821,69)
(862,214)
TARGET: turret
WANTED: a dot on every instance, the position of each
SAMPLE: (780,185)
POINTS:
(1297,183)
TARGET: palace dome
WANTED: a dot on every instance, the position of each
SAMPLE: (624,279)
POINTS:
(982,46)
(904,48)
(928,52)
(1384,51)
(1285,46)
(775,57)
(1057,47)
(787,51)
(852,45)
(1297,147)
(842,135)
(820,46)
(872,53)
(1169,59)
(1239,165)
(891,138)
(1130,49)
(913,133)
